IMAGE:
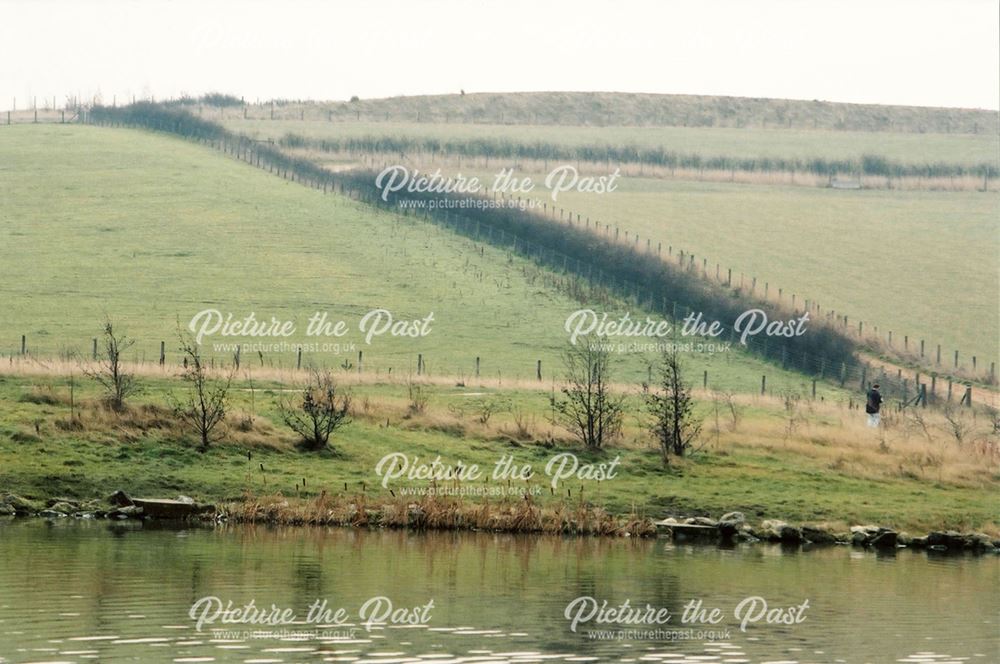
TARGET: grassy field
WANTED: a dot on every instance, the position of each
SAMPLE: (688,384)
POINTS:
(150,229)
(162,229)
(917,263)
(706,141)
(811,462)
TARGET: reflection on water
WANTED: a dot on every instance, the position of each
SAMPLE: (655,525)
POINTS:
(74,591)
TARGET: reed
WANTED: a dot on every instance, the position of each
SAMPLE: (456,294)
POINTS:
(509,515)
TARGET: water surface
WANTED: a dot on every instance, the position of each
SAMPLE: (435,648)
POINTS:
(82,591)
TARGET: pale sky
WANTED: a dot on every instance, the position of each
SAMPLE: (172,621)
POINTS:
(919,52)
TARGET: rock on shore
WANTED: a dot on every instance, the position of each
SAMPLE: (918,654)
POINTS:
(733,527)
(117,506)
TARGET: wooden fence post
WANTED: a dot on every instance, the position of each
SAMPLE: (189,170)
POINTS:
(361,355)
(763,384)
(538,370)
(298,351)
(24,344)
(163,353)
(477,366)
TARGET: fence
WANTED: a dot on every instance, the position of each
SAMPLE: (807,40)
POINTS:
(902,390)
(265,156)
(911,350)
(818,365)
(961,365)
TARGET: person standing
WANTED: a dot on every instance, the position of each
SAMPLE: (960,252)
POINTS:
(873,406)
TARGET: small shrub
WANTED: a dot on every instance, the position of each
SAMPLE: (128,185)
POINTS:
(320,411)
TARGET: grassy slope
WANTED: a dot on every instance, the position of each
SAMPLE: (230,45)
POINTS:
(160,229)
(810,477)
(705,141)
(279,256)
(617,108)
(917,263)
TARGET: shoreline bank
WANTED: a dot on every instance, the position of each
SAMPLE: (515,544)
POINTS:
(506,516)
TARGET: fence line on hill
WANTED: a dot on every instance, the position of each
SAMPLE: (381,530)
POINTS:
(908,348)
(848,373)
(352,111)
(251,152)
(886,341)
(903,391)
(873,166)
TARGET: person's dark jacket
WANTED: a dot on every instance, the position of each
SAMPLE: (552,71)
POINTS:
(874,401)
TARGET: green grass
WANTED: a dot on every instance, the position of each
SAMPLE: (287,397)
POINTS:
(918,263)
(761,481)
(150,230)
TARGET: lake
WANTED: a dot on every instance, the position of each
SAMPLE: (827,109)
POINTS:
(79,591)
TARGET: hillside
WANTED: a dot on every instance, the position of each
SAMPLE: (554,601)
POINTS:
(634,109)
(892,254)
(188,229)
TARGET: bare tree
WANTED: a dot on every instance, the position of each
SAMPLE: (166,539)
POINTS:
(956,423)
(205,408)
(110,373)
(319,411)
(735,409)
(589,409)
(672,406)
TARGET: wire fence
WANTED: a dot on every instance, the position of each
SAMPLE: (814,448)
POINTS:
(907,349)
(846,373)
(263,156)
(843,384)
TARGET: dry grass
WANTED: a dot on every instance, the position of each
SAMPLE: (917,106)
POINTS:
(439,513)
(953,446)
(915,443)
(30,365)
(138,422)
